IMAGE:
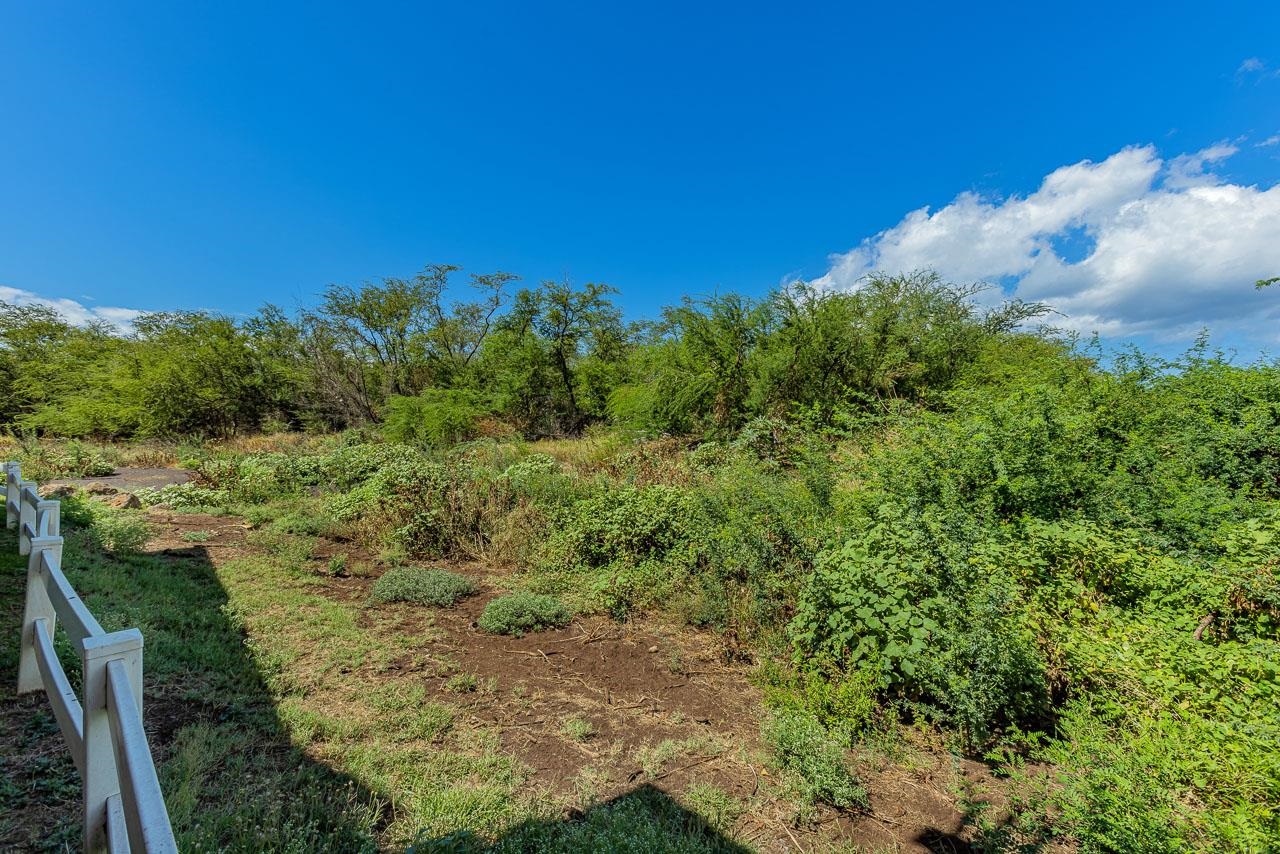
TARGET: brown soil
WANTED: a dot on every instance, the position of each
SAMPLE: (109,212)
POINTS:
(639,685)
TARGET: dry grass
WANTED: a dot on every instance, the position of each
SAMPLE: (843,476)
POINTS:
(265,443)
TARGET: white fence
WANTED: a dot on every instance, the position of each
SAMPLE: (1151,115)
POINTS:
(123,808)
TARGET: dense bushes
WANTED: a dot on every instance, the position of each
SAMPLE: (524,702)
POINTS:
(953,648)
(628,547)
(435,418)
(1105,540)
(45,461)
(553,360)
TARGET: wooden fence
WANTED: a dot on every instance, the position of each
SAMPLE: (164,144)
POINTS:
(124,809)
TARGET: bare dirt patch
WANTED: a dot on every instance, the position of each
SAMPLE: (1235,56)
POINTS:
(663,708)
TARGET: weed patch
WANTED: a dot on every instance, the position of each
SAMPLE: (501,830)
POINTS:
(421,586)
(518,613)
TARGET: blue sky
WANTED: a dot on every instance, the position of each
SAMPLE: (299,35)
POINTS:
(163,156)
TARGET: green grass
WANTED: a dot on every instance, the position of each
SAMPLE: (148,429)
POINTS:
(720,809)
(235,776)
(463,683)
(233,779)
(578,729)
(640,822)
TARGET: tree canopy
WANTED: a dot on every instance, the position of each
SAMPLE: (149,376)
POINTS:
(546,361)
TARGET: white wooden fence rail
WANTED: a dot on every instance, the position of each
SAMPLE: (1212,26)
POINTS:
(123,807)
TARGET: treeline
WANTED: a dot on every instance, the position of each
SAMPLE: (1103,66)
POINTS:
(544,361)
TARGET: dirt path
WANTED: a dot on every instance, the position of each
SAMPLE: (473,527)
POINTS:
(126,479)
(661,705)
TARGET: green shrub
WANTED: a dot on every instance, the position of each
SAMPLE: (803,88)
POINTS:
(426,508)
(92,525)
(43,460)
(633,406)
(634,547)
(708,457)
(804,747)
(757,531)
(951,640)
(626,525)
(122,532)
(421,586)
(436,418)
(518,613)
(81,461)
(869,603)
(350,466)
(717,807)
(984,670)
(265,477)
(1118,789)
(183,496)
(538,479)
(337,565)
(844,704)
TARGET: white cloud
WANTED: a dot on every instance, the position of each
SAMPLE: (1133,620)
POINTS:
(1160,248)
(1257,69)
(75,312)
(1269,141)
(1188,170)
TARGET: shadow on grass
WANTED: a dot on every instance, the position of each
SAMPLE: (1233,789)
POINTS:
(646,819)
(232,779)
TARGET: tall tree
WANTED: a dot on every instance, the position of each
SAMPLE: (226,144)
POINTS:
(577,323)
(396,337)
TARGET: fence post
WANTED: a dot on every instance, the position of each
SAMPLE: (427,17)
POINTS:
(12,474)
(26,513)
(38,607)
(101,777)
(51,510)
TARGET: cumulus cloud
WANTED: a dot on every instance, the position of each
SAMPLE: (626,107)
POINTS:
(75,312)
(1131,245)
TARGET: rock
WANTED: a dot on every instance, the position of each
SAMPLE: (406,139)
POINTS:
(653,649)
(124,501)
(100,488)
(56,492)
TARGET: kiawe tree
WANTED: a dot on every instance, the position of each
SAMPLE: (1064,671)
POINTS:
(552,361)
(197,374)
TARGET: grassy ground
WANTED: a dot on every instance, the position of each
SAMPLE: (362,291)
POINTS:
(288,713)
